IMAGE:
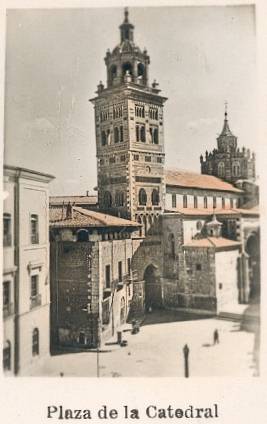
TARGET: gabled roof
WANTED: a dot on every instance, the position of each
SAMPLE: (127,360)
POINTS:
(188,212)
(58,200)
(214,242)
(86,218)
(188,179)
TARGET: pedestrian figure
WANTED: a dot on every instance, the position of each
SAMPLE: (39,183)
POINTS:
(216,337)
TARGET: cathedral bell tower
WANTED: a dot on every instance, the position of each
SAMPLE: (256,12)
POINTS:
(129,134)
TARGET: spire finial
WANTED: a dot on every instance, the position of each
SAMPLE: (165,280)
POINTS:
(126,14)
(225,109)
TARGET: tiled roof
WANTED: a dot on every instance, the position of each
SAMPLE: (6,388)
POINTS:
(215,242)
(218,212)
(58,200)
(181,178)
(86,218)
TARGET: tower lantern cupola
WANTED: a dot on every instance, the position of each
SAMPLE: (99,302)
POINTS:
(126,28)
(127,58)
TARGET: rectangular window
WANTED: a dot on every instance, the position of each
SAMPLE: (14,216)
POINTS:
(136,157)
(123,158)
(6,293)
(121,134)
(185,201)
(120,271)
(198,267)
(34,229)
(159,160)
(205,202)
(7,229)
(7,356)
(195,202)
(214,202)
(129,266)
(108,276)
(223,202)
(231,203)
(34,286)
(174,200)
(137,133)
(147,158)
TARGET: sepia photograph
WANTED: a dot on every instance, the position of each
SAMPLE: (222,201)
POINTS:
(131,224)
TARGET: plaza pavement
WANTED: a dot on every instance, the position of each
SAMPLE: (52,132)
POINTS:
(157,351)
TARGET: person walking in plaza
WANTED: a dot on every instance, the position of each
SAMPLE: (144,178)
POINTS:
(216,337)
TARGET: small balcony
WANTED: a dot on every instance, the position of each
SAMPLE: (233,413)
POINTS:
(7,240)
(36,301)
(35,238)
(8,310)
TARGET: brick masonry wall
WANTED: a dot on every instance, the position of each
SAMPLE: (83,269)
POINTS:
(74,292)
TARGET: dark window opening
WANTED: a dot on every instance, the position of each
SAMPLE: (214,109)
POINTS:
(82,235)
(155,197)
(34,229)
(7,356)
(127,68)
(120,271)
(7,229)
(174,200)
(205,202)
(142,197)
(198,267)
(137,133)
(195,202)
(129,266)
(184,201)
(34,285)
(103,138)
(143,134)
(35,342)
(107,199)
(107,276)
(116,135)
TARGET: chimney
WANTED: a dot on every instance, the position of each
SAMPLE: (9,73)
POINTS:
(69,211)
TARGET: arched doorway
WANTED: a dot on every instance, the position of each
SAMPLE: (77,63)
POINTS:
(253,250)
(153,298)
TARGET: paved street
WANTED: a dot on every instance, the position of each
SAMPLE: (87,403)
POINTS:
(156,351)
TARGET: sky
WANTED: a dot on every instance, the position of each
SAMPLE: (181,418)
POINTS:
(201,57)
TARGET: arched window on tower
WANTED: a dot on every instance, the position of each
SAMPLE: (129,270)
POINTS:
(103,138)
(127,67)
(221,169)
(156,136)
(113,72)
(137,133)
(236,169)
(143,134)
(142,197)
(107,199)
(116,135)
(121,134)
(155,197)
(119,198)
(141,72)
